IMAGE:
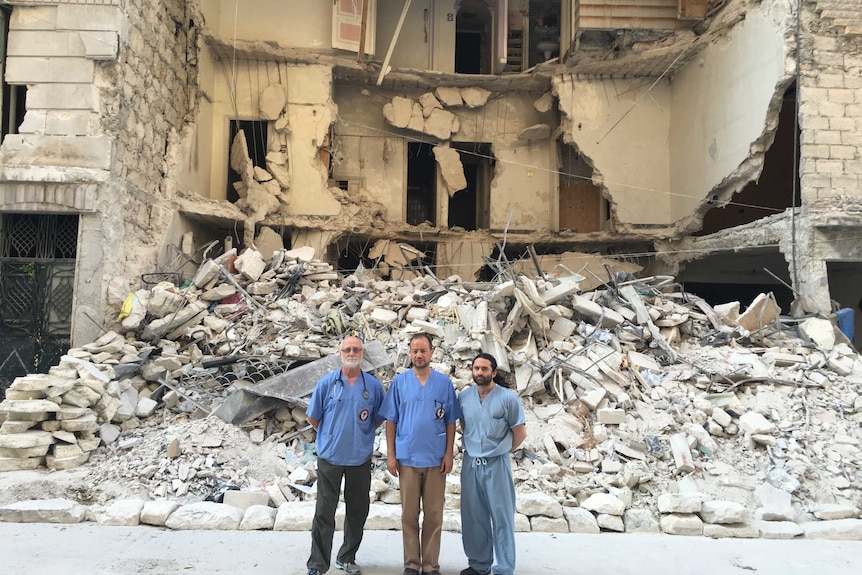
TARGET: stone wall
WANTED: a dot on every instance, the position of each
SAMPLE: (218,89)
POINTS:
(830,107)
(830,119)
(156,78)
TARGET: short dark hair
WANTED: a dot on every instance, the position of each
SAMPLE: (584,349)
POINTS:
(487,356)
(422,334)
(498,379)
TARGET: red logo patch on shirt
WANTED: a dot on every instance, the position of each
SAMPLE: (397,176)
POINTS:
(363,414)
(440,413)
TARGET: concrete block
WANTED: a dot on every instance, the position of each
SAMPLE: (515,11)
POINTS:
(640,521)
(46,69)
(736,530)
(68,122)
(849,529)
(542,524)
(34,123)
(77,17)
(63,97)
(834,511)
(100,45)
(43,511)
(580,520)
(760,313)
(44,43)
(157,512)
(604,503)
(245,499)
(532,504)
(680,502)
(777,529)
(205,515)
(610,522)
(609,416)
(724,512)
(681,524)
(258,517)
(33,18)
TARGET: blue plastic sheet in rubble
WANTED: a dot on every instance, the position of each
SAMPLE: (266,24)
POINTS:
(845,321)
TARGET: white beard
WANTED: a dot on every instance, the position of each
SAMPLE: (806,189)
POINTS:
(351,362)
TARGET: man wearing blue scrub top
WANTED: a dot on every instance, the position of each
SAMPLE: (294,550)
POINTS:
(420,411)
(345,411)
(493,425)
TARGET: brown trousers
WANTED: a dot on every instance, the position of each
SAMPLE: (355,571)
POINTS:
(425,486)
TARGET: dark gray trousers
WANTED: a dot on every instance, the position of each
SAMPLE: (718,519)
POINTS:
(357,484)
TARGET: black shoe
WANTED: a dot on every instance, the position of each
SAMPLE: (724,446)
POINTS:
(471,571)
(435,572)
(409,571)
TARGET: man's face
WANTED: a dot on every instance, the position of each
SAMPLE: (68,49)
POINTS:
(420,352)
(351,352)
(483,375)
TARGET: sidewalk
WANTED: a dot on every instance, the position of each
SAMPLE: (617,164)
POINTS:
(91,549)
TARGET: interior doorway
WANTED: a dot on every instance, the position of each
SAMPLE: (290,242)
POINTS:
(470,208)
(421,184)
(473,38)
(582,208)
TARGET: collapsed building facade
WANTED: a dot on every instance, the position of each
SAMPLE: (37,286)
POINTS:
(715,140)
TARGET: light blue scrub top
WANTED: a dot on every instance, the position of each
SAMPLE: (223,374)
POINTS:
(420,414)
(488,424)
(345,435)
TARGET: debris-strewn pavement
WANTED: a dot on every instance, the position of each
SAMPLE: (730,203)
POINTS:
(647,409)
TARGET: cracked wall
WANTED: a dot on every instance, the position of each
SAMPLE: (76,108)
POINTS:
(724,109)
(374,153)
(623,127)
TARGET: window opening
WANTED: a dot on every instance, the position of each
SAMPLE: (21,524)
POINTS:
(13,103)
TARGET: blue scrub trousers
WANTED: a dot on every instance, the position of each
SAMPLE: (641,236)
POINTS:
(488,513)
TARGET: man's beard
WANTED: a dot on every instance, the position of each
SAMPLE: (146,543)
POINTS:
(351,362)
(481,381)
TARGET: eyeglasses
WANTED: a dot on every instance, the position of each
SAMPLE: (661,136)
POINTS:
(351,349)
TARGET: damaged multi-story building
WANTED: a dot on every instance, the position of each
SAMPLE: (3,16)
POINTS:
(718,141)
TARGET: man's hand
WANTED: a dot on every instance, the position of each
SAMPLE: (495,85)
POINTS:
(392,465)
(446,464)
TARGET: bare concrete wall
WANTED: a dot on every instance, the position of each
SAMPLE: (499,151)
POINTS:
(370,152)
(310,112)
(294,23)
(719,104)
(624,132)
(524,176)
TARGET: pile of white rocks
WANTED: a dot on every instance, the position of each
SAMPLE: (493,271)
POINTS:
(632,392)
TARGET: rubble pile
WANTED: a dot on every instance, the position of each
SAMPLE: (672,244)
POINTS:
(646,408)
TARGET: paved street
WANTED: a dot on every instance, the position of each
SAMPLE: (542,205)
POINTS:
(90,549)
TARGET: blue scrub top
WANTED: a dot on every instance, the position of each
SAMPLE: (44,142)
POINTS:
(420,414)
(488,424)
(345,435)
